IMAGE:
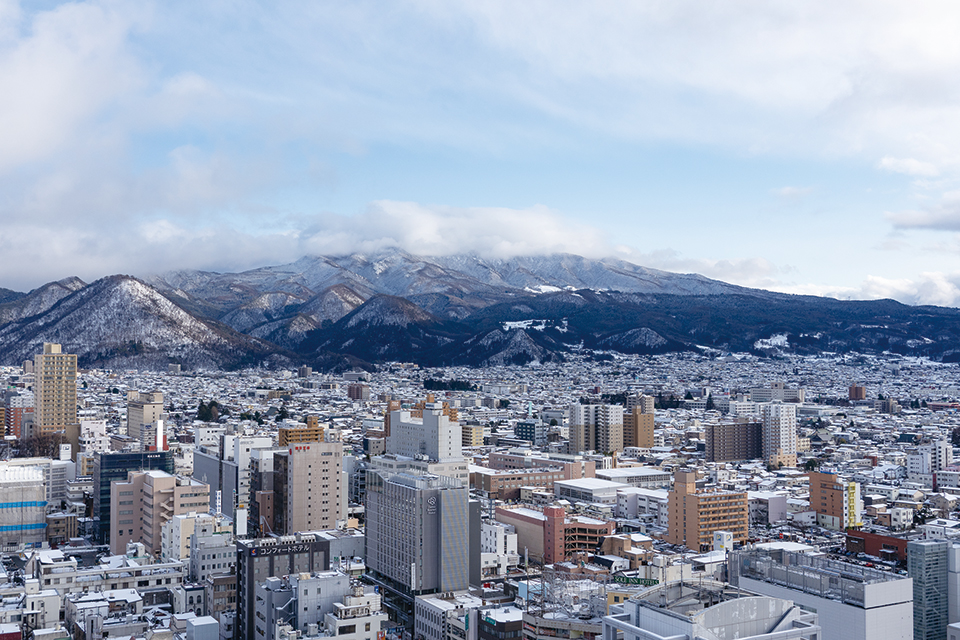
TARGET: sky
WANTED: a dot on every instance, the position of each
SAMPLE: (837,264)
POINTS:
(799,147)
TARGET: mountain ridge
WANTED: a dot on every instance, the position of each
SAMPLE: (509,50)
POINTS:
(358,310)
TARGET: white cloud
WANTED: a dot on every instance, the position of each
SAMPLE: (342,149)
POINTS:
(57,79)
(929,288)
(493,232)
(909,166)
(163,244)
(147,137)
(942,215)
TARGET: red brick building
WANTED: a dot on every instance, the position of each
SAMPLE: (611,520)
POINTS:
(553,536)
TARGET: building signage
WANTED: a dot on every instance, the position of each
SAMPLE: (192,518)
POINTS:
(272,551)
(646,582)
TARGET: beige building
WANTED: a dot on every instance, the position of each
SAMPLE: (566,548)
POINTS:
(309,432)
(55,389)
(472,435)
(695,515)
(780,434)
(176,532)
(140,506)
(638,429)
(309,491)
(596,427)
(143,410)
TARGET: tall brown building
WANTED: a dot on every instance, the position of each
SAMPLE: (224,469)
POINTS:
(836,501)
(308,487)
(55,389)
(638,429)
(696,515)
(857,392)
(730,442)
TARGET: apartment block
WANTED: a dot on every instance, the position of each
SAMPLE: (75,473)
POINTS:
(309,432)
(836,501)
(696,515)
(55,389)
(638,428)
(780,434)
(553,536)
(731,442)
(596,427)
(141,505)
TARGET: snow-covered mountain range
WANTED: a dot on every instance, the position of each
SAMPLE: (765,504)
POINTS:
(359,309)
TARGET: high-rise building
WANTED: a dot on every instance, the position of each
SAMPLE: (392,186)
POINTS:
(696,515)
(417,538)
(309,492)
(927,459)
(112,467)
(596,427)
(145,501)
(928,567)
(434,435)
(729,442)
(225,466)
(857,392)
(638,429)
(358,392)
(780,434)
(55,389)
(262,558)
(143,411)
(836,501)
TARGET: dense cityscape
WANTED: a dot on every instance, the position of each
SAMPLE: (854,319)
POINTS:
(611,495)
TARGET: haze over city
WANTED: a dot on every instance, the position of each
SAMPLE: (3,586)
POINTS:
(798,148)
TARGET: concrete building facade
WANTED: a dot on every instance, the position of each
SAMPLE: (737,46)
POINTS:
(141,505)
(836,501)
(596,427)
(853,602)
(54,389)
(417,539)
(780,434)
(143,411)
(309,491)
(696,515)
(730,442)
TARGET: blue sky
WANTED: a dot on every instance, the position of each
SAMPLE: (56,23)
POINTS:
(802,147)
